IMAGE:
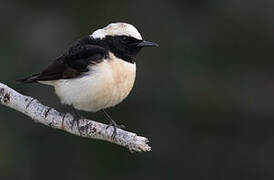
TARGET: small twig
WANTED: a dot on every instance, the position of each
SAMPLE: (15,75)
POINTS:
(52,118)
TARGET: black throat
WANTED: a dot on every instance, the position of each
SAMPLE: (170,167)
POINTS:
(123,47)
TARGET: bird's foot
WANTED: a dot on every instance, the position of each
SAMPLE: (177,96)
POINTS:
(76,118)
(115,126)
(76,121)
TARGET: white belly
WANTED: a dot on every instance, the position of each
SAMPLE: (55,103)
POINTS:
(105,85)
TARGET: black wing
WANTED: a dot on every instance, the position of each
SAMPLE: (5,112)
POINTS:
(72,63)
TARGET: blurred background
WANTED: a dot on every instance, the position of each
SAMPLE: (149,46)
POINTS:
(205,98)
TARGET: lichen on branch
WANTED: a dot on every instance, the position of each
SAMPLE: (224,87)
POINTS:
(64,121)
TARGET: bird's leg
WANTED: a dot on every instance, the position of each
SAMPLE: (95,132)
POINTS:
(113,124)
(76,117)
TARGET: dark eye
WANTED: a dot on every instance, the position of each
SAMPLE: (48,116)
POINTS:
(125,40)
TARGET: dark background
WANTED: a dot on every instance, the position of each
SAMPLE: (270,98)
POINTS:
(205,98)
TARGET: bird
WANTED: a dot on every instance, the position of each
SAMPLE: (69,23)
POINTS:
(97,71)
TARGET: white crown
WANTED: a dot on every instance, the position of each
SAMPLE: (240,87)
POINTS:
(117,29)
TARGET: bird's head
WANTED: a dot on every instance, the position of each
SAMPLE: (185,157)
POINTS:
(122,39)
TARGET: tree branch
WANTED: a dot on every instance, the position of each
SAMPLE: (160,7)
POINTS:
(52,118)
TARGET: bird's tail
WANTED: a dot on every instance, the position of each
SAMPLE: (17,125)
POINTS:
(30,79)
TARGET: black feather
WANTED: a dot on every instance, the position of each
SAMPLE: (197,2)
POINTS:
(72,63)
(30,79)
(84,52)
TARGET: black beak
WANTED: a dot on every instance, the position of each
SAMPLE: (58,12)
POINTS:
(147,44)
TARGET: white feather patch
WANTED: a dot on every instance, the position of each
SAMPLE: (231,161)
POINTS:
(105,85)
(117,29)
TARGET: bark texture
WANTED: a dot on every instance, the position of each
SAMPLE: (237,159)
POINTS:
(54,119)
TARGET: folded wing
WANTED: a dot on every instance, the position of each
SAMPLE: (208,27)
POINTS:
(72,63)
